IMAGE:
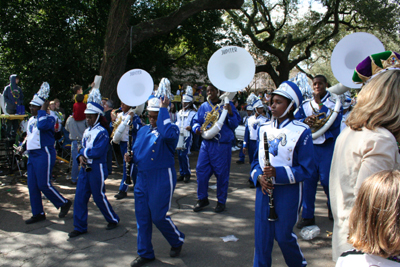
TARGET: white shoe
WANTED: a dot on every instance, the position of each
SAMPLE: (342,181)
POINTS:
(237,148)
(233,149)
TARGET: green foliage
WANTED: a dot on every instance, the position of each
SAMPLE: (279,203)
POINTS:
(60,42)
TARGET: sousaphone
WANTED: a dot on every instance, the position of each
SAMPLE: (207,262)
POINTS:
(350,51)
(134,88)
(229,69)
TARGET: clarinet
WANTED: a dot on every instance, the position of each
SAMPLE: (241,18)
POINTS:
(272,213)
(129,164)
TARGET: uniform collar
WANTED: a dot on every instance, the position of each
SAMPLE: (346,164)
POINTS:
(325,97)
(282,125)
(94,126)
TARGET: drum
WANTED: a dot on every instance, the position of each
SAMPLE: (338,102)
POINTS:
(239,132)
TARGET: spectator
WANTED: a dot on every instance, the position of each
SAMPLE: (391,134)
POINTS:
(374,223)
(59,109)
(172,113)
(13,97)
(57,117)
(75,129)
(79,108)
(79,91)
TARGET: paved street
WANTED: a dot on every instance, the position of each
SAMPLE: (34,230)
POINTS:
(47,244)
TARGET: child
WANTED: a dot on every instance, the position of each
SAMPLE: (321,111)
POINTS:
(291,162)
(79,91)
(374,223)
(79,108)
(93,159)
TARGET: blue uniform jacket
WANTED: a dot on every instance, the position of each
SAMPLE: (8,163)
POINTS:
(231,122)
(45,125)
(154,148)
(302,162)
(136,125)
(334,130)
(95,144)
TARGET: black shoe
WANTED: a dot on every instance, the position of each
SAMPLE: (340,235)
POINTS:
(201,203)
(64,209)
(121,195)
(305,222)
(139,261)
(220,207)
(174,252)
(180,178)
(111,226)
(75,233)
(240,162)
(36,218)
(187,178)
(251,184)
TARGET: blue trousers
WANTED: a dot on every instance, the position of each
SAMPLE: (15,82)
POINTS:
(92,183)
(40,166)
(322,157)
(153,195)
(123,146)
(184,165)
(75,164)
(252,147)
(109,159)
(241,154)
(214,158)
(287,205)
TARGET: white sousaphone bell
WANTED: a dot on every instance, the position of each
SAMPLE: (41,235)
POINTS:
(134,88)
(229,69)
(350,51)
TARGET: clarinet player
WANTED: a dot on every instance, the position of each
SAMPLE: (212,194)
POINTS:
(291,162)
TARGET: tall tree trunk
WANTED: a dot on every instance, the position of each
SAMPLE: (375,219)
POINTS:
(116,48)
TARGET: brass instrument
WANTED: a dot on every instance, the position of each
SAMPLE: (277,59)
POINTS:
(211,117)
(319,123)
(115,125)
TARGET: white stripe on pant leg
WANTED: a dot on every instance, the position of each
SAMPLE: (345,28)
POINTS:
(300,198)
(104,196)
(171,188)
(175,229)
(49,175)
(188,163)
(301,253)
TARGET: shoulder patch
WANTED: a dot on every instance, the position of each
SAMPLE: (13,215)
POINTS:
(299,123)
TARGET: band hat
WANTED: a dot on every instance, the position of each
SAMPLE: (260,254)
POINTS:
(188,96)
(249,107)
(252,100)
(164,90)
(301,81)
(94,102)
(153,104)
(347,103)
(42,95)
(290,91)
(375,64)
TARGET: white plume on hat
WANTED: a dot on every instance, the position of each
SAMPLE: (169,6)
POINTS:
(164,90)
(42,95)
(188,97)
(302,82)
(94,102)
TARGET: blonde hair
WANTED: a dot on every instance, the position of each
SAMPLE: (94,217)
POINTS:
(374,220)
(378,104)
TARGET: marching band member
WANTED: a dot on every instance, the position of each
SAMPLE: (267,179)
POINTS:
(215,154)
(123,145)
(39,143)
(184,122)
(291,163)
(369,143)
(252,125)
(249,111)
(323,146)
(153,154)
(93,159)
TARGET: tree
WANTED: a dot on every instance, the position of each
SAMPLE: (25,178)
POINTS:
(284,36)
(117,45)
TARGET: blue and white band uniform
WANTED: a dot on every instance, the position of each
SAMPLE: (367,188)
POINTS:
(215,154)
(323,152)
(136,125)
(251,133)
(153,155)
(123,146)
(42,157)
(94,149)
(291,154)
(185,119)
